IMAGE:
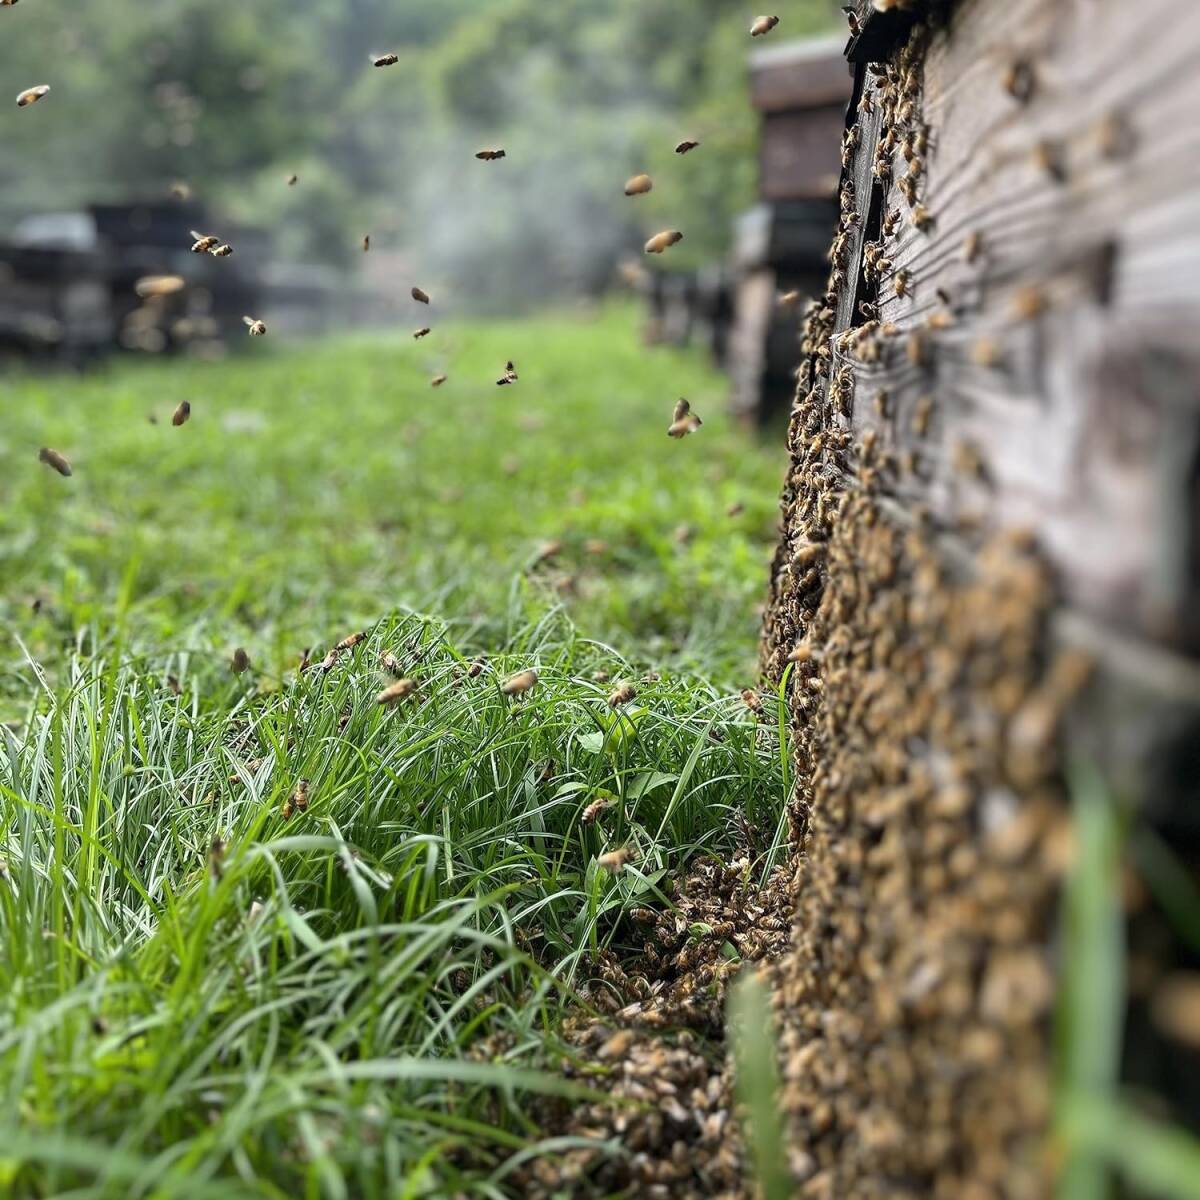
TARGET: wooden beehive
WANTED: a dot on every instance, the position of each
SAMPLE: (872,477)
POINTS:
(990,552)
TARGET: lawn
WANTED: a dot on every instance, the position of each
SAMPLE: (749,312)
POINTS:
(223,980)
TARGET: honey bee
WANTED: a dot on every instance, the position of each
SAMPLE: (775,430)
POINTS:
(985,352)
(917,349)
(1115,137)
(900,282)
(1028,303)
(32,95)
(520,683)
(921,217)
(1050,158)
(421,297)
(385,60)
(305,660)
(329,661)
(639,185)
(510,375)
(790,299)
(476,668)
(173,685)
(152,286)
(366,242)
(615,861)
(390,663)
(752,700)
(972,247)
(593,810)
(922,411)
(763,25)
(224,250)
(424,331)
(852,20)
(216,859)
(52,458)
(662,241)
(940,320)
(255,328)
(292,180)
(181,414)
(683,420)
(490,155)
(623,693)
(348,643)
(1019,80)
(180,190)
(801,652)
(394,693)
(437,380)
(686,146)
(240,661)
(300,795)
(203,242)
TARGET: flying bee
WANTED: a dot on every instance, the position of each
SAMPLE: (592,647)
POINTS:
(735,509)
(216,859)
(683,420)
(385,60)
(662,241)
(752,700)
(173,685)
(348,643)
(151,287)
(32,95)
(686,146)
(510,375)
(622,694)
(255,328)
(224,250)
(418,334)
(763,25)
(366,242)
(390,663)
(394,693)
(921,217)
(180,190)
(240,661)
(437,381)
(615,861)
(292,180)
(421,297)
(204,242)
(852,20)
(917,349)
(181,414)
(639,185)
(305,660)
(52,458)
(490,155)
(801,652)
(593,810)
(940,320)
(985,352)
(520,683)
(790,299)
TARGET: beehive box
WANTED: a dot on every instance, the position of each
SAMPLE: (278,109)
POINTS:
(990,562)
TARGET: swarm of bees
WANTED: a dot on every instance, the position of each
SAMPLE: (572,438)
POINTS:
(32,95)
(683,420)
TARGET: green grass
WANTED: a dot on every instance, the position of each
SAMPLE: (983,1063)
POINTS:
(363,999)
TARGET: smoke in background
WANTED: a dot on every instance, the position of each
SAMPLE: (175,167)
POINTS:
(234,98)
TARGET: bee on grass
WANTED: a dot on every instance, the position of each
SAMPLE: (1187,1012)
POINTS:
(305,659)
(418,334)
(639,185)
(663,241)
(394,693)
(683,420)
(490,155)
(753,701)
(615,861)
(763,25)
(240,661)
(510,375)
(202,243)
(385,60)
(623,693)
(419,295)
(55,460)
(476,668)
(32,95)
(593,810)
(686,146)
(173,685)
(255,328)
(520,684)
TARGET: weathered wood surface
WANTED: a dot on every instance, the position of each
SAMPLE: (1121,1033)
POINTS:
(1072,367)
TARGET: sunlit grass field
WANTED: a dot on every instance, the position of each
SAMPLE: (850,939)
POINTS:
(210,988)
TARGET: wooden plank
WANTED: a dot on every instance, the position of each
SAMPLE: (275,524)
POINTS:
(801,74)
(798,154)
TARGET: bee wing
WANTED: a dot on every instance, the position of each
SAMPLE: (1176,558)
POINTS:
(248,320)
